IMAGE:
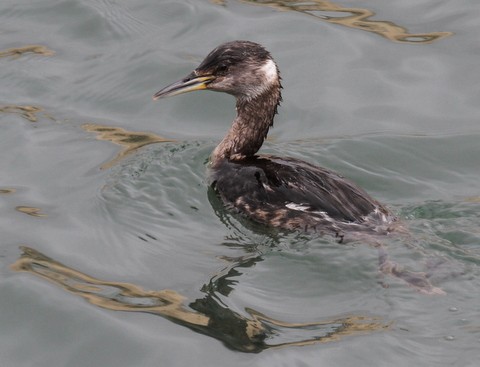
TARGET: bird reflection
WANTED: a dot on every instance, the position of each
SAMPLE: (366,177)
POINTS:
(207,315)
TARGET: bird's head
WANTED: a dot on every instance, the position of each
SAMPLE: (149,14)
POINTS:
(241,68)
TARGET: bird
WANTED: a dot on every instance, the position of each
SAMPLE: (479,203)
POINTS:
(284,193)
(280,192)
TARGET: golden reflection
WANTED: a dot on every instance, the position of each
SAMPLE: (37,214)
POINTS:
(7,191)
(34,212)
(206,315)
(131,141)
(356,18)
(16,52)
(473,199)
(27,112)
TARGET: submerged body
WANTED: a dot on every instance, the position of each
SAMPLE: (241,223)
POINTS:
(285,193)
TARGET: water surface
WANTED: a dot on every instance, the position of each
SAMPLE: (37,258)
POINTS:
(114,252)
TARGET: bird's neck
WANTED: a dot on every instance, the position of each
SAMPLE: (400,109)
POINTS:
(250,127)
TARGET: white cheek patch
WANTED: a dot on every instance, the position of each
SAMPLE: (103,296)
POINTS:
(269,76)
(270,72)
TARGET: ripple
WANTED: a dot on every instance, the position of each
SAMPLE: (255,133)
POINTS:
(356,18)
(119,17)
(161,192)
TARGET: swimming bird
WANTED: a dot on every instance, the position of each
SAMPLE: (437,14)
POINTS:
(281,192)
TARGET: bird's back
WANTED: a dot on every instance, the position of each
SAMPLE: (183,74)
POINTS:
(295,195)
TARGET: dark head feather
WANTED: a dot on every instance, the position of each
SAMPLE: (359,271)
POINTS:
(232,53)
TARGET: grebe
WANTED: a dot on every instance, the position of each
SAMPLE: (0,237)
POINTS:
(286,193)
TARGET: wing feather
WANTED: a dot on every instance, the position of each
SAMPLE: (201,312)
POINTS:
(281,190)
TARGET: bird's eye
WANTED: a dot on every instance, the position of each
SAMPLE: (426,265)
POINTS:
(222,69)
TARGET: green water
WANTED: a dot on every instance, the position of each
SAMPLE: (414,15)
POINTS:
(110,220)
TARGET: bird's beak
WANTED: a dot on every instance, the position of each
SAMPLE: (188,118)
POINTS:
(189,84)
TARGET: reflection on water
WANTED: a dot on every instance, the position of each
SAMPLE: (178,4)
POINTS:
(205,315)
(16,52)
(27,112)
(131,141)
(419,281)
(356,18)
(7,191)
(34,212)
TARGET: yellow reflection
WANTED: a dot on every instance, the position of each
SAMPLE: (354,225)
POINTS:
(126,297)
(7,191)
(206,315)
(356,18)
(345,326)
(131,141)
(473,199)
(16,52)
(30,210)
(27,112)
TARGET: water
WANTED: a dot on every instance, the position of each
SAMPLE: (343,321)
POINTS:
(107,223)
